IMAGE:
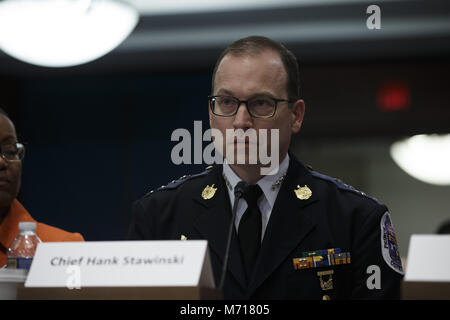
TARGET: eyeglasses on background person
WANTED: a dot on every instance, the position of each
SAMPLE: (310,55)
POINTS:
(12,151)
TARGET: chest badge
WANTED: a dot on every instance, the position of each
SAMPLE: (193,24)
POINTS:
(303,193)
(209,192)
(326,284)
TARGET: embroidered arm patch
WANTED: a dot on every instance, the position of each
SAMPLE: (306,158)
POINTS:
(389,247)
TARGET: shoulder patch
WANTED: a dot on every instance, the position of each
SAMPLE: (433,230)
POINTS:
(176,183)
(389,247)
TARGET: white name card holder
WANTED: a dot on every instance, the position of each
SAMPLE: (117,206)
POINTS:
(161,270)
(427,273)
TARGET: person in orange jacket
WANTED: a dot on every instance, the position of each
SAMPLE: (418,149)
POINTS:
(11,210)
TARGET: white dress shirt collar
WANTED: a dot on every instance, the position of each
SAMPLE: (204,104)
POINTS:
(269,184)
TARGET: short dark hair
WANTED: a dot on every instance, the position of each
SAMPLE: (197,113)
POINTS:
(256,44)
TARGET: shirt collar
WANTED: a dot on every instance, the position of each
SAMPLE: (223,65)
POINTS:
(270,184)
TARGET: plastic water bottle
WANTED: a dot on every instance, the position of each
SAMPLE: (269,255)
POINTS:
(22,249)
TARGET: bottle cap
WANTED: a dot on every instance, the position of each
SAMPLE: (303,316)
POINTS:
(27,226)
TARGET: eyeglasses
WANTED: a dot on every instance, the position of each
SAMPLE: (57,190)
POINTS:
(12,151)
(258,107)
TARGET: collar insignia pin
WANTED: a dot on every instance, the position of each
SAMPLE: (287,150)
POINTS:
(208,192)
(303,193)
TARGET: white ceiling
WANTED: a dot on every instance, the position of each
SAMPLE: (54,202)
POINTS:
(151,7)
(188,33)
(203,24)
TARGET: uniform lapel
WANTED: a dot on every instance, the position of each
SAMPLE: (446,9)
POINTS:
(290,222)
(214,220)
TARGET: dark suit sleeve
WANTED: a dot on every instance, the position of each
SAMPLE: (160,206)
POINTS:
(373,277)
(140,227)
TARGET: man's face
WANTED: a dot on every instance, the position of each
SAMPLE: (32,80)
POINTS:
(250,76)
(10,171)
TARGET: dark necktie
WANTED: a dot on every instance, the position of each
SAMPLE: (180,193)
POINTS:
(249,231)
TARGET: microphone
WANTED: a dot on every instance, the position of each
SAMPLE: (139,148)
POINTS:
(238,192)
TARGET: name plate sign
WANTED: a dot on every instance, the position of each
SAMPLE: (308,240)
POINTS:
(427,268)
(121,264)
(428,258)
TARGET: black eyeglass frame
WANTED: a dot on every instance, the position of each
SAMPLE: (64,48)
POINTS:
(211,104)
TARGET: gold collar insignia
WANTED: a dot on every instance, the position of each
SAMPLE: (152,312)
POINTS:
(303,193)
(209,192)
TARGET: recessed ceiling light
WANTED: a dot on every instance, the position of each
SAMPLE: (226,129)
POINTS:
(424,157)
(62,33)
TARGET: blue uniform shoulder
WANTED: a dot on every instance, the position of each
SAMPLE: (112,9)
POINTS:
(178,182)
(339,184)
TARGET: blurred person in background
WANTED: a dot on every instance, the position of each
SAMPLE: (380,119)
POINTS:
(11,210)
(444,228)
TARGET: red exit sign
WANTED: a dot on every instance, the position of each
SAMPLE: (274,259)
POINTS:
(393,96)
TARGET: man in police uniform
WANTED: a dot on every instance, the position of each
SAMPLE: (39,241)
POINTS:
(298,234)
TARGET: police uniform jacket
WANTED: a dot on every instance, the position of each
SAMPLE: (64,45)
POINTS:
(334,216)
